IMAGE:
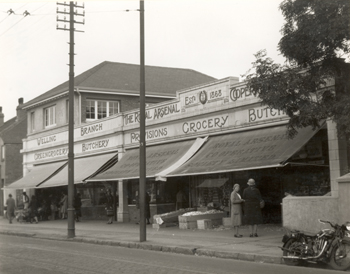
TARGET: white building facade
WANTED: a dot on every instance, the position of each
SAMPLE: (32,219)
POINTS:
(218,133)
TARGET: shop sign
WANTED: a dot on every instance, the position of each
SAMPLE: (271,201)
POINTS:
(216,94)
(240,93)
(91,129)
(46,140)
(151,134)
(153,113)
(205,124)
(99,127)
(204,96)
(51,154)
(95,145)
(258,114)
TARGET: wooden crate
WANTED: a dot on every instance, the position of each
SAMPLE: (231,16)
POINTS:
(163,225)
(188,225)
(204,224)
(226,222)
(190,222)
(171,217)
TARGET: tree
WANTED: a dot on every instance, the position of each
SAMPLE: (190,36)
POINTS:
(316,44)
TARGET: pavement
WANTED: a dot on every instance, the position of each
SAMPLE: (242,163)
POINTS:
(216,242)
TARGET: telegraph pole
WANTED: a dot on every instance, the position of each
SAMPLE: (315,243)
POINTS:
(142,183)
(71,21)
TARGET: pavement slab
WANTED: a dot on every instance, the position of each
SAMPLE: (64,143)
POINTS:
(217,242)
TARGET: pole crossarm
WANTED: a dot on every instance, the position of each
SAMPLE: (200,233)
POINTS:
(71,14)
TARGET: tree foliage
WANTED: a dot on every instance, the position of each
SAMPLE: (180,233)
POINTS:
(313,83)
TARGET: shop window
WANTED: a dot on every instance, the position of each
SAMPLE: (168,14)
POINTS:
(93,194)
(98,109)
(50,116)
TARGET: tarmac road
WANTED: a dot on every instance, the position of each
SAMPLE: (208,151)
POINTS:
(39,256)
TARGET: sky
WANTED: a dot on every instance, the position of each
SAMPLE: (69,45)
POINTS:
(215,37)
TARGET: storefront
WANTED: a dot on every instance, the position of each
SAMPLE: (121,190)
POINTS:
(239,140)
(198,145)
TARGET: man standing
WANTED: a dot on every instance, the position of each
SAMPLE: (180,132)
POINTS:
(10,203)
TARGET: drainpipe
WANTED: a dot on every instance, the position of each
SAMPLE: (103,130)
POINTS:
(79,105)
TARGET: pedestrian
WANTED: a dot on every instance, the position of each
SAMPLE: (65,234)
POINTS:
(148,209)
(11,205)
(63,205)
(77,206)
(137,202)
(180,198)
(109,206)
(25,200)
(33,210)
(252,211)
(236,210)
(53,208)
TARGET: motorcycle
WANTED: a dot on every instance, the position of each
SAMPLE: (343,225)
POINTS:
(331,246)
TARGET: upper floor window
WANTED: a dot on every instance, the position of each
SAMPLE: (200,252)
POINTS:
(98,109)
(2,153)
(32,121)
(50,116)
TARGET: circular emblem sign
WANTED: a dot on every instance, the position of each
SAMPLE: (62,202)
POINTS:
(203,97)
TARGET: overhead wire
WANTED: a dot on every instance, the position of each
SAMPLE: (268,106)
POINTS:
(12,26)
(25,14)
(33,13)
(5,18)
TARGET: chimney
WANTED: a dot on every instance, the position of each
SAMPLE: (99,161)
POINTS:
(20,112)
(2,116)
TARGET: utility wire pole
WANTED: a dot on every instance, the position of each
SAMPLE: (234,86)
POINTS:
(71,21)
(142,183)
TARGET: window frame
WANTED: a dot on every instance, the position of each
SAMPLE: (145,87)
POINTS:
(100,107)
(32,121)
(50,121)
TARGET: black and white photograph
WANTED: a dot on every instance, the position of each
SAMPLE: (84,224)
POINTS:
(174,136)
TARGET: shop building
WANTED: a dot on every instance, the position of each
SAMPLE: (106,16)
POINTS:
(12,132)
(207,138)
(101,93)
(221,136)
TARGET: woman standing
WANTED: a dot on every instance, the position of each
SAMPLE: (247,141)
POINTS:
(252,211)
(236,209)
(109,206)
(63,205)
(11,205)
(33,206)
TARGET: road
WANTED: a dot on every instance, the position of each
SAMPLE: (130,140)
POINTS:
(39,256)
